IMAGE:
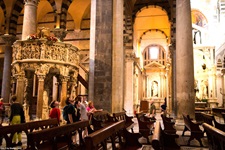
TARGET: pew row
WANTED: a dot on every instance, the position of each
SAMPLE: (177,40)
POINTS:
(57,137)
(216,137)
(163,140)
(29,127)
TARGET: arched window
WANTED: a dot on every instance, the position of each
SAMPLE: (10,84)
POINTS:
(154,53)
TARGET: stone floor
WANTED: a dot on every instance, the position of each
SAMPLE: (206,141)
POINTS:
(182,140)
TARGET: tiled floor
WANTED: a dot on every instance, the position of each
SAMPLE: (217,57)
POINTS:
(182,140)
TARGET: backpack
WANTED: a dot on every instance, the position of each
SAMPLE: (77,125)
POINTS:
(65,113)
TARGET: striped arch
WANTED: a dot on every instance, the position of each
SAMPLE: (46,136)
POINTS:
(14,16)
(52,3)
(2,5)
(65,6)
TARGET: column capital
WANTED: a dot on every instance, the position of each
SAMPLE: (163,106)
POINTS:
(8,39)
(130,55)
(20,76)
(64,78)
(41,77)
(31,2)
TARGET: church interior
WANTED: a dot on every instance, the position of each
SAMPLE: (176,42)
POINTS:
(120,54)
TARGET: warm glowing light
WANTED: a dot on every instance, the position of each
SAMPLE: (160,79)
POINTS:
(154,52)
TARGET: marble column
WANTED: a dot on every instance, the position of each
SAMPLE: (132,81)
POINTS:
(101,53)
(118,57)
(63,94)
(41,81)
(162,84)
(184,61)
(20,84)
(129,84)
(6,82)
(55,89)
(29,18)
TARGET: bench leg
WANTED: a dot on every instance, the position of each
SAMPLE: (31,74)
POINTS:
(132,130)
(185,129)
(190,139)
(200,141)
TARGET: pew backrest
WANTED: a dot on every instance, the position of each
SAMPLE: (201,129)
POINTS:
(207,118)
(100,119)
(57,137)
(129,123)
(157,138)
(216,137)
(9,131)
(220,126)
(218,111)
(99,137)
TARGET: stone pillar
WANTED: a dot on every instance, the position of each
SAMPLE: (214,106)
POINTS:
(162,84)
(63,94)
(6,82)
(55,89)
(20,84)
(173,99)
(29,18)
(118,57)
(184,55)
(129,84)
(41,81)
(100,73)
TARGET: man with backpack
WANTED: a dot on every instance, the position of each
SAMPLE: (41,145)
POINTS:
(69,114)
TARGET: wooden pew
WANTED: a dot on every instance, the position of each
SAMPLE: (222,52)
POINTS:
(196,132)
(129,123)
(29,127)
(216,137)
(169,124)
(219,126)
(131,137)
(218,111)
(163,140)
(144,125)
(100,119)
(223,115)
(208,118)
(98,139)
(57,137)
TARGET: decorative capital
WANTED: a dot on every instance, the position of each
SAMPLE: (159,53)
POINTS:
(41,77)
(64,78)
(20,76)
(32,2)
(9,39)
(130,55)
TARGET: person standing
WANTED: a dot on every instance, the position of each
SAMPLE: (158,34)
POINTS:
(16,117)
(2,116)
(152,112)
(2,111)
(71,112)
(163,107)
(83,113)
(55,111)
